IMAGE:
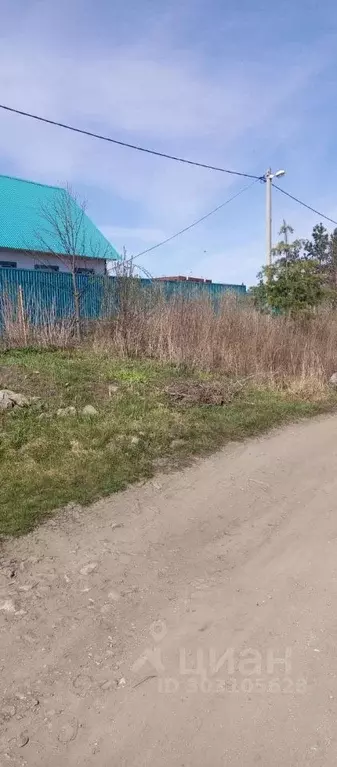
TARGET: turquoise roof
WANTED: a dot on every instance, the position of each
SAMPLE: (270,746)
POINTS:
(23,224)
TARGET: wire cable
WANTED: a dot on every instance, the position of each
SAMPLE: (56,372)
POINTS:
(126,144)
(195,223)
(156,153)
(304,204)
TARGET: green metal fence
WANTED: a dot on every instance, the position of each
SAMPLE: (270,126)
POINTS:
(44,292)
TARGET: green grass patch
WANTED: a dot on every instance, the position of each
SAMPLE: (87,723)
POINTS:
(47,461)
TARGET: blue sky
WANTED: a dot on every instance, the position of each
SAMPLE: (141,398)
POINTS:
(242,84)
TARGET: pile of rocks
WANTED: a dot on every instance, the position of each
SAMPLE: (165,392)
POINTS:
(11,399)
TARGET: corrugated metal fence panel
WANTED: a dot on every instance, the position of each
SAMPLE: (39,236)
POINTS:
(45,293)
(188,288)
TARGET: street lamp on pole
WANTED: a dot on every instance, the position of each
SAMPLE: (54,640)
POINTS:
(269,178)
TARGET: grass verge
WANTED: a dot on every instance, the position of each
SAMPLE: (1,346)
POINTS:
(47,461)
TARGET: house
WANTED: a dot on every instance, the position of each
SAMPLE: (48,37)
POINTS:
(43,228)
(181,278)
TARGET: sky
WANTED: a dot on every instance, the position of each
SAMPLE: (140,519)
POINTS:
(239,84)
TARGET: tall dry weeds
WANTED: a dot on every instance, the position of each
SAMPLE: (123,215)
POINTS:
(29,325)
(231,338)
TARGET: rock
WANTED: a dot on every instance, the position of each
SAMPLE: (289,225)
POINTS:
(112,389)
(10,399)
(135,440)
(89,410)
(122,682)
(23,739)
(5,401)
(176,443)
(89,568)
(65,411)
(333,380)
(20,400)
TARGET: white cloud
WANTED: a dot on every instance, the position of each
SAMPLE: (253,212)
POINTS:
(153,93)
(142,91)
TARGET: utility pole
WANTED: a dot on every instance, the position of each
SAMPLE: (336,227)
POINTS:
(268,179)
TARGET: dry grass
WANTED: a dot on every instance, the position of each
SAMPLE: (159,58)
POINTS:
(19,330)
(231,338)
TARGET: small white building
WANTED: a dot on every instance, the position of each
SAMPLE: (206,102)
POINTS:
(43,228)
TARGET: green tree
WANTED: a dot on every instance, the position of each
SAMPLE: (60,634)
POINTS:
(294,287)
(318,248)
(322,248)
(332,268)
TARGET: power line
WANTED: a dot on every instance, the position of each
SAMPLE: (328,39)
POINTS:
(304,204)
(166,156)
(198,221)
(125,144)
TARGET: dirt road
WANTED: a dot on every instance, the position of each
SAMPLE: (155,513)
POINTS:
(190,621)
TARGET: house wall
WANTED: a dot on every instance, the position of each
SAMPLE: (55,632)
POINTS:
(28,261)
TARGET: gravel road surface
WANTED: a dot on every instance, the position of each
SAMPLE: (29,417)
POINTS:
(190,621)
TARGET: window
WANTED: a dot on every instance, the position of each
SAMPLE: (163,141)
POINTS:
(46,268)
(83,270)
(8,264)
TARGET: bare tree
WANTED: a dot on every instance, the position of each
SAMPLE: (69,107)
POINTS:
(63,234)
